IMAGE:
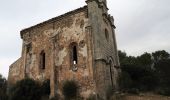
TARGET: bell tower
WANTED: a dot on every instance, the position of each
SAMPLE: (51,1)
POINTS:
(103,5)
(103,1)
(106,67)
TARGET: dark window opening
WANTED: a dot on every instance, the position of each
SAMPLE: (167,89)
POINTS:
(111,77)
(106,34)
(42,60)
(74,54)
(28,48)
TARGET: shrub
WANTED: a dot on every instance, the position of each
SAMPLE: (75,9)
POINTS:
(125,81)
(45,87)
(55,98)
(140,77)
(92,97)
(133,91)
(109,92)
(26,89)
(3,96)
(70,89)
(164,91)
(163,73)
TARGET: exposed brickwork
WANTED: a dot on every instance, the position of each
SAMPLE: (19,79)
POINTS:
(55,42)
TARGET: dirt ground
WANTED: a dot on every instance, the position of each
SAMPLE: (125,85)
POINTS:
(145,96)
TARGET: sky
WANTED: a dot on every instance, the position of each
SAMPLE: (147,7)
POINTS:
(141,25)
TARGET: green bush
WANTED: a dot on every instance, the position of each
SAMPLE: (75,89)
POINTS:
(147,72)
(164,91)
(109,92)
(125,81)
(45,87)
(138,77)
(92,97)
(70,89)
(163,72)
(3,96)
(26,89)
(57,97)
(54,98)
(133,91)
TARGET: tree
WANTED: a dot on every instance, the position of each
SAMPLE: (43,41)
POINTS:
(137,72)
(145,59)
(3,88)
(146,72)
(160,55)
(163,72)
(125,81)
(122,55)
(126,60)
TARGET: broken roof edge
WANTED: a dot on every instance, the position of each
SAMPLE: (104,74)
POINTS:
(54,19)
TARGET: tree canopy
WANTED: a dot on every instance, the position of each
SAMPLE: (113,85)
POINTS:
(147,71)
(3,88)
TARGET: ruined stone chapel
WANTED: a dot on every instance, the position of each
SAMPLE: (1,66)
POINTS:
(79,45)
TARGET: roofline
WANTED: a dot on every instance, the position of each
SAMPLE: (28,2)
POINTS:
(53,19)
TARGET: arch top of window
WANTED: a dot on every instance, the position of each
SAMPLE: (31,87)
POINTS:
(42,52)
(73,44)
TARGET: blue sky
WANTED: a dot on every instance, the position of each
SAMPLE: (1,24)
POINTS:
(142,25)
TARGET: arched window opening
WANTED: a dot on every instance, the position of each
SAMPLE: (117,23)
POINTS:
(73,56)
(28,48)
(74,60)
(111,73)
(106,34)
(42,60)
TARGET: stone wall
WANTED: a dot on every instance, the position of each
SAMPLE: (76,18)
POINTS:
(49,48)
(15,72)
(55,38)
(76,34)
(106,64)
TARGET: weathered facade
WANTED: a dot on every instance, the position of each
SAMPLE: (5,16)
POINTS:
(79,45)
